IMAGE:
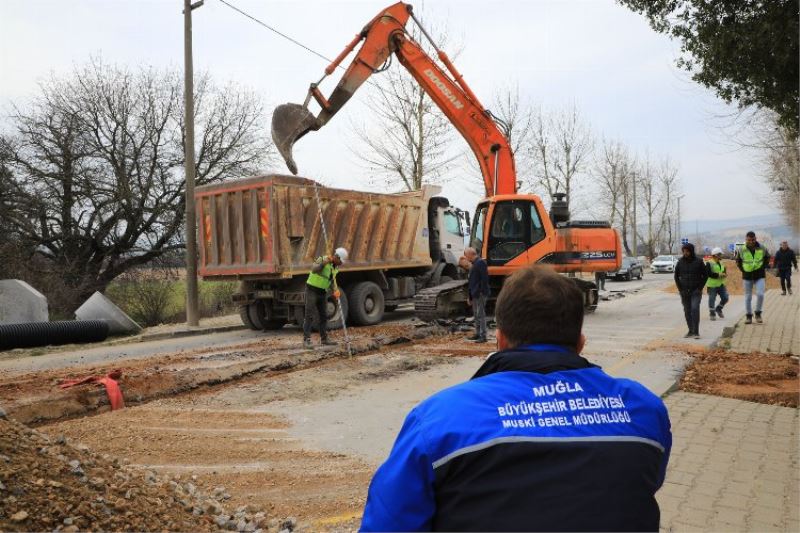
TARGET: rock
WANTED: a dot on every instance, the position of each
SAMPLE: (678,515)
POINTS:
(19,517)
(97,482)
(221,520)
(3,414)
(241,524)
(130,493)
(61,439)
(191,489)
(150,477)
(55,484)
(2,487)
(82,448)
(231,525)
(68,521)
(5,458)
(249,527)
(74,463)
(71,529)
(290,523)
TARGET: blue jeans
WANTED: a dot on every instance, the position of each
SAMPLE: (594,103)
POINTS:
(722,291)
(760,285)
(691,309)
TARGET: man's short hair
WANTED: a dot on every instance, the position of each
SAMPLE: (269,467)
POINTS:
(750,234)
(539,306)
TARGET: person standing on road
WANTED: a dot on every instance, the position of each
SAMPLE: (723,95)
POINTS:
(784,259)
(320,281)
(752,260)
(600,280)
(690,277)
(717,276)
(539,439)
(478,292)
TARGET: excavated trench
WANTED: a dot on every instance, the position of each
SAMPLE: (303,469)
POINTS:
(272,424)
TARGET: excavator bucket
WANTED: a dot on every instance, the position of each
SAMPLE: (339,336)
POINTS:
(289,123)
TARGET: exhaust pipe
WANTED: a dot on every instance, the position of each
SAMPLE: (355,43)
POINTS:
(289,123)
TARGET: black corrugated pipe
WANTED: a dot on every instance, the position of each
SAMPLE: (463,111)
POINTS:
(30,334)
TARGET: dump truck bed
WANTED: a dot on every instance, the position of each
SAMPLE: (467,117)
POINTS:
(268,227)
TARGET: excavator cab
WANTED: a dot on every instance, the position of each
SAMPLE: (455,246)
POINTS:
(514,226)
(289,123)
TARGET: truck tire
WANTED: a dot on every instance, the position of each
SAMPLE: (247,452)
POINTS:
(259,314)
(244,314)
(366,303)
(334,313)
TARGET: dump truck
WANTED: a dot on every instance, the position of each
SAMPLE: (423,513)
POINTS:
(266,232)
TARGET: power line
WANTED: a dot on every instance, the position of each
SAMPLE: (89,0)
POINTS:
(270,28)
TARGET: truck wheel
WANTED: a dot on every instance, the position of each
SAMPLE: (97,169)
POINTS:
(366,303)
(260,316)
(244,314)
(333,313)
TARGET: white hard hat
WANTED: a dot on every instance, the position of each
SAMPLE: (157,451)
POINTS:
(342,254)
(716,251)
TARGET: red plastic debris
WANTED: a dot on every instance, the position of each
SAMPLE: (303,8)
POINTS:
(109,381)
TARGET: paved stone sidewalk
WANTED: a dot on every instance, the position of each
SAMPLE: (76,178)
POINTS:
(780,332)
(734,466)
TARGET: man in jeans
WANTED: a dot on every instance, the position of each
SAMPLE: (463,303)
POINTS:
(784,259)
(478,292)
(690,277)
(752,260)
(715,285)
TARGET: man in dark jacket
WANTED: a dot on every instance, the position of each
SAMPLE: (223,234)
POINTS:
(752,259)
(539,439)
(784,259)
(478,292)
(690,277)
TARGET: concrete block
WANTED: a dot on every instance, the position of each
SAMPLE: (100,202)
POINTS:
(98,307)
(20,303)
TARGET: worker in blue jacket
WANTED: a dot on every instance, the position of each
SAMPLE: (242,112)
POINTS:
(539,439)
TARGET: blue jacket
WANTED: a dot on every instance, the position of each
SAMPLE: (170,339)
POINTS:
(478,278)
(538,440)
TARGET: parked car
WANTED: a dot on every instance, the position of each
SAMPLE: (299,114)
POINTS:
(663,263)
(630,268)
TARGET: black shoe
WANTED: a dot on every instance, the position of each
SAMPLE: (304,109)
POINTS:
(688,335)
(307,344)
(790,291)
(719,312)
(713,316)
(327,342)
(473,338)
(480,340)
(783,293)
(749,319)
(758,318)
(696,335)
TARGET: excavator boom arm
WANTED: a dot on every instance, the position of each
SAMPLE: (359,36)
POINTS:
(385,35)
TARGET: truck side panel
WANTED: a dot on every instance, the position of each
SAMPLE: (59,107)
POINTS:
(268,227)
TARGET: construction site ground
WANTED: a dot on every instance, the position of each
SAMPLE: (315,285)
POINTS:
(256,424)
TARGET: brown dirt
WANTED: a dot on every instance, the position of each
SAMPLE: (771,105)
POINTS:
(93,493)
(734,281)
(755,377)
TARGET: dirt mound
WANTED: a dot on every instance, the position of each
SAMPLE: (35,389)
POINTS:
(82,490)
(734,280)
(755,377)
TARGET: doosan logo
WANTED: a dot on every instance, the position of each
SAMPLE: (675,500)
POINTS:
(442,87)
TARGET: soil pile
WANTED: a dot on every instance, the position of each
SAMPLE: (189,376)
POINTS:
(46,483)
(755,377)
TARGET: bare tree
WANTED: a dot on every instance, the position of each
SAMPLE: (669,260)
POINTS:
(650,196)
(610,170)
(411,143)
(96,164)
(560,148)
(515,118)
(667,178)
(779,151)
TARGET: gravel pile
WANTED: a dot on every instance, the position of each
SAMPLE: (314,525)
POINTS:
(48,483)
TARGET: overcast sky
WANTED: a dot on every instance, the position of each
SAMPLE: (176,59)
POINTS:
(593,53)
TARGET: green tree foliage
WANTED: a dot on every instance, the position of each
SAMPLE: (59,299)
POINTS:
(746,50)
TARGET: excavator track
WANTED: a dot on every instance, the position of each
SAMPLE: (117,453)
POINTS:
(442,301)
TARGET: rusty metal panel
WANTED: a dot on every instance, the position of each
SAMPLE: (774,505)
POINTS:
(269,227)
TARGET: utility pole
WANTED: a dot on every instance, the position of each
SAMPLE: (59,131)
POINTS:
(635,248)
(192,313)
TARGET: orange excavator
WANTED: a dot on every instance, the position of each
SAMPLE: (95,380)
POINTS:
(509,230)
